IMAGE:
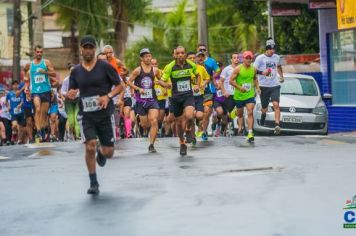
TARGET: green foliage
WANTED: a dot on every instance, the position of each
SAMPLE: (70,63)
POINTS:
(90,17)
(295,35)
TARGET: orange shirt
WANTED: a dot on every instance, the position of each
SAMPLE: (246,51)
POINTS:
(114,64)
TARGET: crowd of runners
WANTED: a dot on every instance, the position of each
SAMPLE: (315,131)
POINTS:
(101,100)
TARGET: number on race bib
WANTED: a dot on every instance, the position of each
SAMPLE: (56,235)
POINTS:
(247,86)
(91,104)
(183,86)
(219,93)
(17,110)
(40,79)
(147,93)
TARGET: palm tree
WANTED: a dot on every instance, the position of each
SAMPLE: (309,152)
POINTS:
(84,16)
(125,14)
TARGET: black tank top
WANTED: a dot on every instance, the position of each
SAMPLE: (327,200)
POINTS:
(146,81)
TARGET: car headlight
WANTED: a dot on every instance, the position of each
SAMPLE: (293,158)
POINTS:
(320,109)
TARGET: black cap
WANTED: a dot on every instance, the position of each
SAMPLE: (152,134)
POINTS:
(88,40)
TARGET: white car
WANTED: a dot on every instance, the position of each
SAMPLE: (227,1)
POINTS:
(301,105)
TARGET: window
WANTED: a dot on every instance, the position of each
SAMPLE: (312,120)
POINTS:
(298,86)
(342,53)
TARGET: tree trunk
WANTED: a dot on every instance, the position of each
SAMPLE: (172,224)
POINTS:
(121,27)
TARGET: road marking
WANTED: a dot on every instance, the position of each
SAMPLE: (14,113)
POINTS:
(332,142)
(4,158)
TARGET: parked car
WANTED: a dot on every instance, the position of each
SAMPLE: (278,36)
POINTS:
(302,108)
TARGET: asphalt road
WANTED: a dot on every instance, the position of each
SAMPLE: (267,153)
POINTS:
(287,185)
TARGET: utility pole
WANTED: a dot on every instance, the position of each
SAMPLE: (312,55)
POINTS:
(16,68)
(270,20)
(38,24)
(202,23)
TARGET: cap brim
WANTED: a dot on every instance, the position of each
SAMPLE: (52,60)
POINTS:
(91,44)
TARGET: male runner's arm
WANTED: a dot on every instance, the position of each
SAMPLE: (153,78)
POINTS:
(280,72)
(132,78)
(115,80)
(234,74)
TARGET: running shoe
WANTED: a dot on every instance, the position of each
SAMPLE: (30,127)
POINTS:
(183,149)
(250,137)
(204,137)
(198,134)
(194,142)
(94,188)
(277,130)
(100,158)
(151,148)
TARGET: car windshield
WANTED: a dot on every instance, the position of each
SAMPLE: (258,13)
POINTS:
(299,86)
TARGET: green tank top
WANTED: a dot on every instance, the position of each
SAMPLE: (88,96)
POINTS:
(245,79)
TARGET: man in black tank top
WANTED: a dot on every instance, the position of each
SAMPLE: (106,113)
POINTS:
(142,80)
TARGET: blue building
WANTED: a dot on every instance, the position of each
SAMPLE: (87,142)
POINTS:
(337,60)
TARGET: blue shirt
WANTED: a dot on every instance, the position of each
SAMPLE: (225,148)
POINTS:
(26,104)
(211,66)
(14,102)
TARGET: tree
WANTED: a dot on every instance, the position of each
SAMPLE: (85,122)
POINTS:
(170,30)
(84,16)
(125,14)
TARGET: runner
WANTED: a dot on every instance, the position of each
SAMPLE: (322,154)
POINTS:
(213,69)
(199,58)
(243,78)
(267,65)
(110,57)
(18,122)
(94,79)
(180,72)
(162,96)
(53,116)
(41,76)
(71,107)
(5,117)
(228,90)
(142,80)
(126,104)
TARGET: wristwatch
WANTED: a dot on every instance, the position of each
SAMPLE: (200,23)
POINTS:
(110,95)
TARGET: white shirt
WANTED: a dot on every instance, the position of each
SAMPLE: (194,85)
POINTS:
(225,74)
(264,62)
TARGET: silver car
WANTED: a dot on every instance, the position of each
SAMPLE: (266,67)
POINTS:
(302,108)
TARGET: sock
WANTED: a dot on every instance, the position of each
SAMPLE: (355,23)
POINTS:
(93,179)
(250,131)
(128,126)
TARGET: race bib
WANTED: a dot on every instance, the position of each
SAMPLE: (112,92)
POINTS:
(91,104)
(147,93)
(219,93)
(40,79)
(247,86)
(17,110)
(183,86)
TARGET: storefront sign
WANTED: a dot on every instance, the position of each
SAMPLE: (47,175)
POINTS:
(346,14)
